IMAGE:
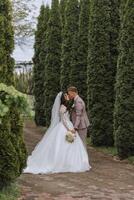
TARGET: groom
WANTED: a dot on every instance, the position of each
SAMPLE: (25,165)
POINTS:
(79,115)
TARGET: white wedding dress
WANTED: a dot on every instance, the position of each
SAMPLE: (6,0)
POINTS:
(54,154)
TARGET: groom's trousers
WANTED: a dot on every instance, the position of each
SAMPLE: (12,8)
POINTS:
(83,135)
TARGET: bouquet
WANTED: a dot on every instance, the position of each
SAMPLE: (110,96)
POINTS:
(70,137)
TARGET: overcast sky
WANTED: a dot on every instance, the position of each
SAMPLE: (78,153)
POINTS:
(25,53)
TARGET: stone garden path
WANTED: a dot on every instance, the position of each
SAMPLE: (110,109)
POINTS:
(108,179)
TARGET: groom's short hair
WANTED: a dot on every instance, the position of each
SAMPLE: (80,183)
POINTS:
(72,89)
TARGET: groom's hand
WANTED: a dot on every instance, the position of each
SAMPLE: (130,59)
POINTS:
(73,130)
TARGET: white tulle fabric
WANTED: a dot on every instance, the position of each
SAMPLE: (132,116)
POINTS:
(54,154)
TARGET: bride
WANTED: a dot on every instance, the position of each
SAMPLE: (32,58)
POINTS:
(54,154)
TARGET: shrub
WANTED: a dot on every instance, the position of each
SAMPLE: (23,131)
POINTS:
(13,152)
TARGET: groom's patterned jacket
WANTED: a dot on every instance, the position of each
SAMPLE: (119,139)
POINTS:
(79,115)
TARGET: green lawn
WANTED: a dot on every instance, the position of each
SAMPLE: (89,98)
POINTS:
(10,193)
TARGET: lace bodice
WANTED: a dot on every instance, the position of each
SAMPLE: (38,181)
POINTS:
(65,117)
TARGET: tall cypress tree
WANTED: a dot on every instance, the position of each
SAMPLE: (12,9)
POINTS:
(42,57)
(53,58)
(122,9)
(6,12)
(124,104)
(63,4)
(9,45)
(70,43)
(3,59)
(114,38)
(83,47)
(38,69)
(100,74)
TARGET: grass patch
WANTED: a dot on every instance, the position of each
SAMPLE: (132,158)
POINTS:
(131,159)
(10,193)
(109,150)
